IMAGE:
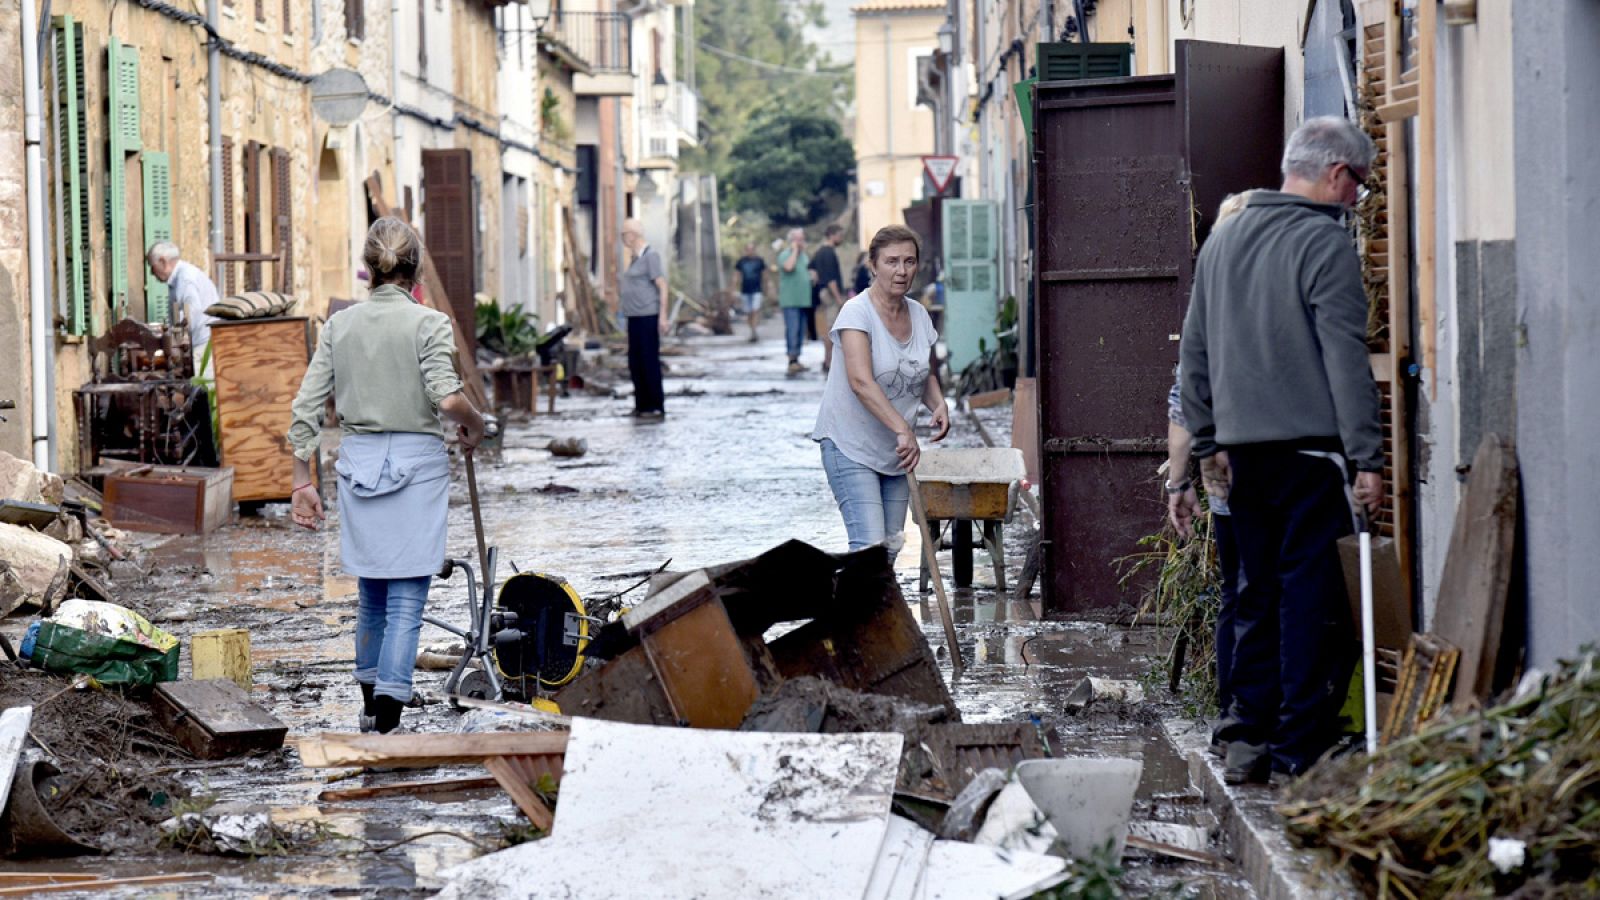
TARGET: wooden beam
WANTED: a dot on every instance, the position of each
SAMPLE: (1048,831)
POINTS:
(1398,111)
(334,749)
(518,780)
(1427,280)
(100,883)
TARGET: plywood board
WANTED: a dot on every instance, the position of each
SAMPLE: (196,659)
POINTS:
(703,813)
(702,667)
(259,365)
(1025,424)
(332,749)
(216,719)
(1477,568)
(13,734)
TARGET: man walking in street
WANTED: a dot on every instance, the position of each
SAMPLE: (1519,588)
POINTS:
(190,292)
(644,304)
(1279,395)
(794,295)
(750,268)
(829,290)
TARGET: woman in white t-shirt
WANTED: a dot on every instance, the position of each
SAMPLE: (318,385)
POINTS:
(870,403)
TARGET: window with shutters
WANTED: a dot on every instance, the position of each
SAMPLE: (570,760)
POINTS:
(72,162)
(122,135)
(261,10)
(288,17)
(282,220)
(157,181)
(1071,62)
(450,227)
(229,285)
(422,37)
(252,213)
(355,20)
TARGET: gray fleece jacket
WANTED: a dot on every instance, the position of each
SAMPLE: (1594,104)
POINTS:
(1274,344)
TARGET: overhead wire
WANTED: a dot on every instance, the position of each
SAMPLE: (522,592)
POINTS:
(770,66)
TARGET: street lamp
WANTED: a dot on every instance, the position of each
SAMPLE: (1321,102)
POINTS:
(659,89)
(539,11)
(947,38)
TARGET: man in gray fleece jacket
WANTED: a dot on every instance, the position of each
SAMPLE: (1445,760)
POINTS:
(1279,394)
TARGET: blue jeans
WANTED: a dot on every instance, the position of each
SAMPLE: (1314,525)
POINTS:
(794,328)
(388,622)
(873,504)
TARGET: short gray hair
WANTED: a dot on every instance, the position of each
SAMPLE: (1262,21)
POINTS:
(161,250)
(796,231)
(1324,142)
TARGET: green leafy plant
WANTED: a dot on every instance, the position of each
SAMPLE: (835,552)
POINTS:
(508,332)
(1098,877)
(1185,597)
(551,123)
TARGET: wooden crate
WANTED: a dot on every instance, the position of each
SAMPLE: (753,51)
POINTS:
(259,364)
(222,653)
(216,719)
(169,499)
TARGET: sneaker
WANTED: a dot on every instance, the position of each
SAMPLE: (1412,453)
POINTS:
(795,367)
(1246,764)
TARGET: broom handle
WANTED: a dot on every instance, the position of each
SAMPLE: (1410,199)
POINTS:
(930,555)
(477,518)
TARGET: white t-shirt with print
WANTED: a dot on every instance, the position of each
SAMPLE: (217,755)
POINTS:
(901,369)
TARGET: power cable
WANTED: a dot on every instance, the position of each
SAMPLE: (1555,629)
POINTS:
(771,67)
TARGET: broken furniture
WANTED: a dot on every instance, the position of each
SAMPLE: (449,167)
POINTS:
(694,652)
(259,364)
(970,487)
(216,719)
(140,405)
(169,499)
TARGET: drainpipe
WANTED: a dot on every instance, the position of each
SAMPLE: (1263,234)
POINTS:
(39,318)
(888,115)
(214,126)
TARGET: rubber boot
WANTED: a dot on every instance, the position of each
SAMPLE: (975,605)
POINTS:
(386,711)
(368,719)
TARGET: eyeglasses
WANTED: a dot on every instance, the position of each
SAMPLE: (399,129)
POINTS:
(1363,191)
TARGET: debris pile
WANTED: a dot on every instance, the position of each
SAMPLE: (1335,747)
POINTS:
(1500,801)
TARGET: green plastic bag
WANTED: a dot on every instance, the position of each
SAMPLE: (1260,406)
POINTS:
(112,661)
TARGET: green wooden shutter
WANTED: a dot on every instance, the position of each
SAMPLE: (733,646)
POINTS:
(971,278)
(157,226)
(123,136)
(1070,62)
(72,111)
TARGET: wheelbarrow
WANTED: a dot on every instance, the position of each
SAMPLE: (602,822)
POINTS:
(967,487)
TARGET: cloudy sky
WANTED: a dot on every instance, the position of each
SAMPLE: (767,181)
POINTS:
(838,40)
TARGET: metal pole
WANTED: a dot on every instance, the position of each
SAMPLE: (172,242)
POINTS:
(214,125)
(39,318)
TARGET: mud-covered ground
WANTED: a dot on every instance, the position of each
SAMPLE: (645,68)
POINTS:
(729,473)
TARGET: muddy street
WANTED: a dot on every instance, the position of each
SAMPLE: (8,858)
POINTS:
(729,473)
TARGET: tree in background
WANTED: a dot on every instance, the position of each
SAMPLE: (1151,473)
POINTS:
(787,163)
(754,57)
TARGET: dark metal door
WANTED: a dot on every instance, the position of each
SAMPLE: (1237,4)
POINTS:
(1130,171)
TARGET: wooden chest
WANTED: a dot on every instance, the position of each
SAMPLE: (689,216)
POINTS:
(169,499)
(216,719)
(259,364)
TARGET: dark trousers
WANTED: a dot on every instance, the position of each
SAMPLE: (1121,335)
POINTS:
(644,363)
(1228,610)
(1294,650)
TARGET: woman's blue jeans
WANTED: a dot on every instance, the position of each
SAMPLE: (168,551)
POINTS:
(794,328)
(388,623)
(873,504)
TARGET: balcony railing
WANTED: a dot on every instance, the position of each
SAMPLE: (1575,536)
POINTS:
(675,121)
(601,39)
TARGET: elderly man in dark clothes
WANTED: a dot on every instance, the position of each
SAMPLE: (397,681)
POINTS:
(1278,392)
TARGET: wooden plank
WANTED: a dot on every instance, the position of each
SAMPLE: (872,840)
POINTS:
(81,885)
(1477,568)
(1427,219)
(989,398)
(259,364)
(409,789)
(216,719)
(1420,685)
(1025,425)
(435,298)
(335,749)
(515,783)
(1398,111)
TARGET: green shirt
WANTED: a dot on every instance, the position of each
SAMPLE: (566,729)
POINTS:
(388,362)
(794,288)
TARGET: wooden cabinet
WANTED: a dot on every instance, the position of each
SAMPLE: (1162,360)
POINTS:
(259,364)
